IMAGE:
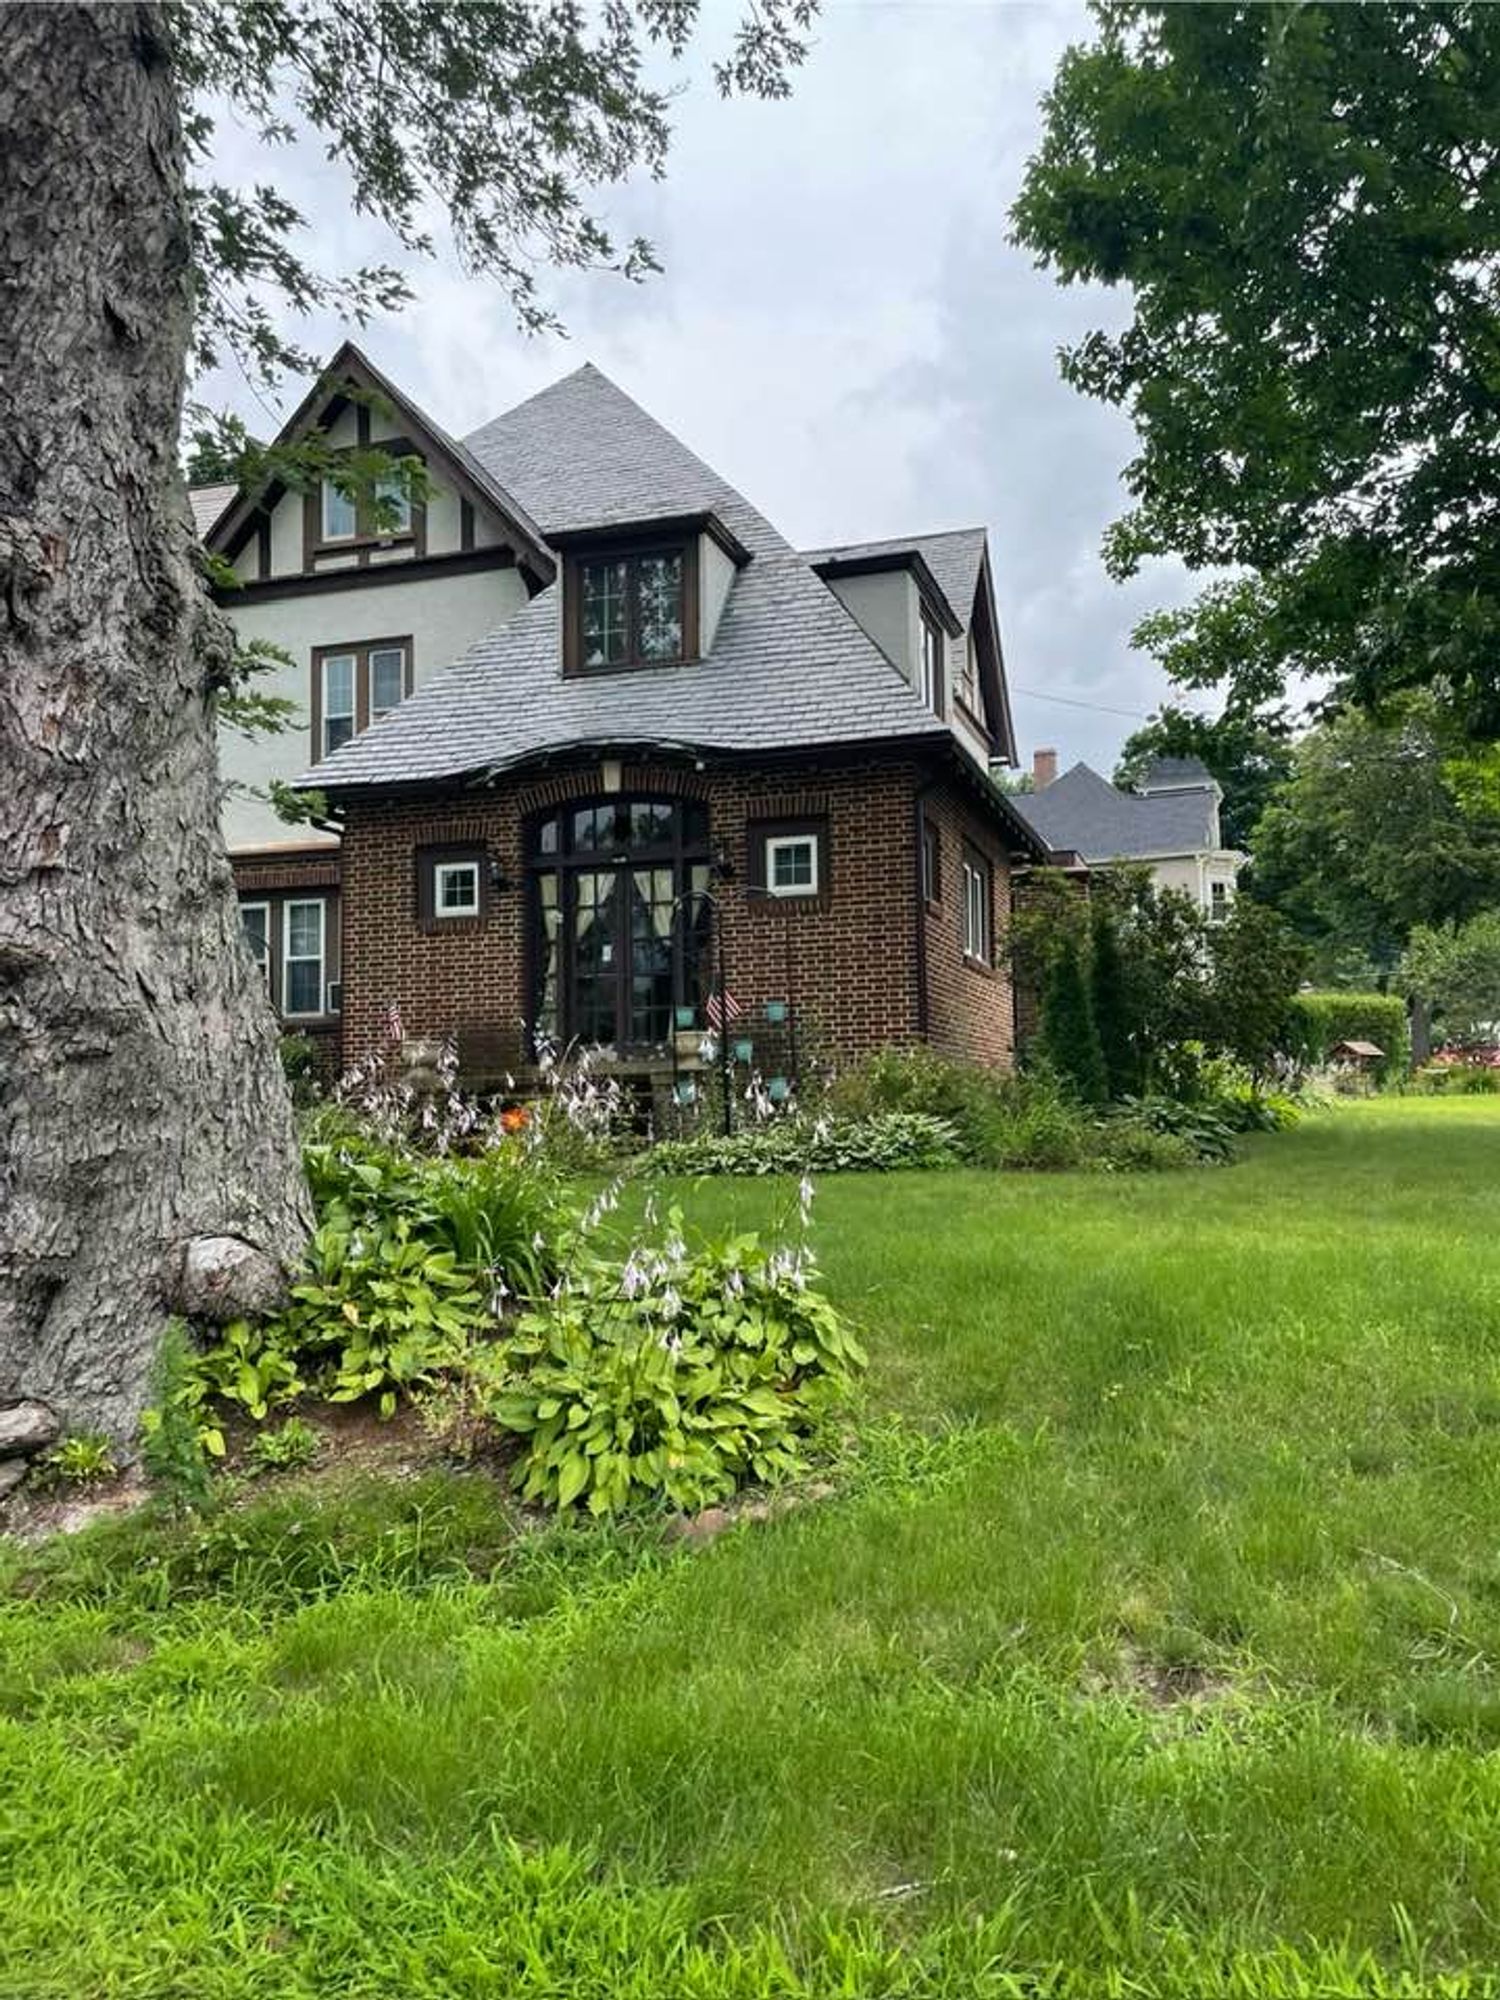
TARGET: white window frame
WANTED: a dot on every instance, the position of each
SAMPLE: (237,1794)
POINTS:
(931,662)
(775,844)
(441,870)
(351,712)
(370,656)
(977,914)
(350,534)
(1218,907)
(320,904)
(258,903)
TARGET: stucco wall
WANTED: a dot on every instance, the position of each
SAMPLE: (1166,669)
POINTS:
(444,617)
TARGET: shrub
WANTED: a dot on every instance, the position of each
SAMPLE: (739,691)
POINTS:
(1316,1022)
(918,1079)
(1130,1145)
(881,1143)
(1110,998)
(171,1445)
(1198,1128)
(1069,1036)
(386,1309)
(674,1375)
(299,1063)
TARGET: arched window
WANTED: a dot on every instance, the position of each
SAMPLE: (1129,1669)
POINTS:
(621,923)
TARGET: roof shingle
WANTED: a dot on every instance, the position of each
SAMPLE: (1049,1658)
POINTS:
(1082,811)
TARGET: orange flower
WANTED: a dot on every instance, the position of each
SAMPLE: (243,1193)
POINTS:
(515,1118)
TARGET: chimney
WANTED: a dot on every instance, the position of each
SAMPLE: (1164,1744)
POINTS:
(1043,769)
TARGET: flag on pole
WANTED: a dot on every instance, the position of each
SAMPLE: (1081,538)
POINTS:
(722,1008)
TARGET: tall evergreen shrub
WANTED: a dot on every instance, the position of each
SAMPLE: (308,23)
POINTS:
(1069,1037)
(1110,996)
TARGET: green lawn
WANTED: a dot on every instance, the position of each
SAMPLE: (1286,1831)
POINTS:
(1150,1646)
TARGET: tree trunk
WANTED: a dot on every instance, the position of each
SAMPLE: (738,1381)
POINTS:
(142,1105)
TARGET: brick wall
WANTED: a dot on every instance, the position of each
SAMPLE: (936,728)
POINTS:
(273,875)
(846,960)
(969,1008)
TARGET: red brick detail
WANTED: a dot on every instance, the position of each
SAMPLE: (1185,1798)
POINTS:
(848,963)
(315,868)
(970,1013)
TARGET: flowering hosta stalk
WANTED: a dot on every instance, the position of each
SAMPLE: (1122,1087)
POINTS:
(673,1374)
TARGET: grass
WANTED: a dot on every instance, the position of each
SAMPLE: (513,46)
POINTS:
(1150,1647)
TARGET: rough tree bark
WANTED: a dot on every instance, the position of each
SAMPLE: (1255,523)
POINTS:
(143,1112)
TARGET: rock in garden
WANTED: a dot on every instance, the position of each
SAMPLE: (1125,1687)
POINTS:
(25,1428)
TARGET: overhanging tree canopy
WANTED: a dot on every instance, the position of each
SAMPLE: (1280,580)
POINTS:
(1304,202)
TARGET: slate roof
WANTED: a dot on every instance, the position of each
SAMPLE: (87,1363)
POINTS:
(1166,773)
(1096,819)
(953,558)
(790,667)
(208,503)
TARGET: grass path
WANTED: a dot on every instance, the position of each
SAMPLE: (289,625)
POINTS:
(1151,1648)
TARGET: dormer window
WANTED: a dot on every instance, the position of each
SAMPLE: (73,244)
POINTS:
(932,663)
(631,606)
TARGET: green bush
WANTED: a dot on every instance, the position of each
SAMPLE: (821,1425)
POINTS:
(997,1120)
(675,1376)
(379,1311)
(291,1446)
(299,1064)
(1069,1035)
(1318,1021)
(880,1143)
(1131,1145)
(86,1458)
(1200,1129)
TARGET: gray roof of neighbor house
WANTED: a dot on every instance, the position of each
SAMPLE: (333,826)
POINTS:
(789,666)
(208,503)
(1096,819)
(953,557)
(1171,773)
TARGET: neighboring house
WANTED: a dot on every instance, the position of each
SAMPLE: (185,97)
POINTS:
(1169,823)
(595,743)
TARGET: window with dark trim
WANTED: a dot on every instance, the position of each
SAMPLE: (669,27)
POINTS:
(932,870)
(931,688)
(293,936)
(622,920)
(452,886)
(633,606)
(968,686)
(974,914)
(337,519)
(353,686)
(789,859)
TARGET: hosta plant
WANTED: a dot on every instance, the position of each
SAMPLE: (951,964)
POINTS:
(674,1375)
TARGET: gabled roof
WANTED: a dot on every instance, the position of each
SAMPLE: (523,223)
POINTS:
(350,367)
(1083,811)
(952,559)
(1173,774)
(789,667)
(208,503)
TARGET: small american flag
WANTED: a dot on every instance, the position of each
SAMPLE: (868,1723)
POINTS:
(722,1008)
(394,1032)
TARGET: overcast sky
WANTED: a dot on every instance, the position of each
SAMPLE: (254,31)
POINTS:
(841,328)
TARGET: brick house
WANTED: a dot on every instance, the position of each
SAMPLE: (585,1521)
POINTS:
(600,754)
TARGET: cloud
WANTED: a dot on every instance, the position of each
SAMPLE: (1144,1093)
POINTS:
(841,328)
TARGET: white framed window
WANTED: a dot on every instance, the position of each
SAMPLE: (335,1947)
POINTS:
(932,664)
(387,679)
(976,907)
(1218,902)
(393,505)
(340,514)
(340,675)
(303,956)
(792,864)
(255,921)
(455,889)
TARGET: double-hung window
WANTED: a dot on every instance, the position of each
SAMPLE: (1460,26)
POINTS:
(340,514)
(355,685)
(340,676)
(932,869)
(975,913)
(303,956)
(255,919)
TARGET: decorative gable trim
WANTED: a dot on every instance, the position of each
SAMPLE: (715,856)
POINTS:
(351,370)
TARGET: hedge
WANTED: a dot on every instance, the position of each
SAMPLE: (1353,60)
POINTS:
(1316,1021)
